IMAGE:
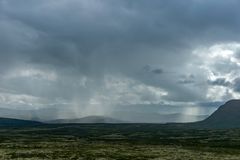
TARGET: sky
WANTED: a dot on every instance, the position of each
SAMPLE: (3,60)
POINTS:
(105,57)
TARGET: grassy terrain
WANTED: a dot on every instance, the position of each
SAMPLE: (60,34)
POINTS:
(123,141)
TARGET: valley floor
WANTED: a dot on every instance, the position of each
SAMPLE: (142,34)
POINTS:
(118,142)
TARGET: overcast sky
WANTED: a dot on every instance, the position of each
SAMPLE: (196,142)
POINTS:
(97,57)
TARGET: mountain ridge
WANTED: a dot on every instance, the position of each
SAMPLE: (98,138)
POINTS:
(226,116)
(87,119)
(11,122)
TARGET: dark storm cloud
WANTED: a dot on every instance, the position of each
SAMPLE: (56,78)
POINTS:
(157,71)
(69,47)
(70,32)
(150,69)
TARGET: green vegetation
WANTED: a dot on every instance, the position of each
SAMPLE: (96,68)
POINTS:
(118,141)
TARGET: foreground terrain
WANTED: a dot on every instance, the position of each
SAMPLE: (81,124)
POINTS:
(118,141)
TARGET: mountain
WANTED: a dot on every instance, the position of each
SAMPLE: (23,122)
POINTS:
(226,116)
(41,114)
(139,117)
(9,122)
(54,113)
(35,115)
(88,119)
(179,117)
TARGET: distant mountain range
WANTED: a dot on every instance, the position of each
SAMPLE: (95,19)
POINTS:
(138,117)
(53,114)
(226,116)
(8,122)
(103,119)
(36,115)
(88,119)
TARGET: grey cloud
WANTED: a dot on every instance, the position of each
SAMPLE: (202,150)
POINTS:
(157,71)
(153,70)
(237,54)
(219,82)
(236,85)
(187,79)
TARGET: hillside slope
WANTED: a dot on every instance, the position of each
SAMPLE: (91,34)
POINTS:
(226,116)
(9,122)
